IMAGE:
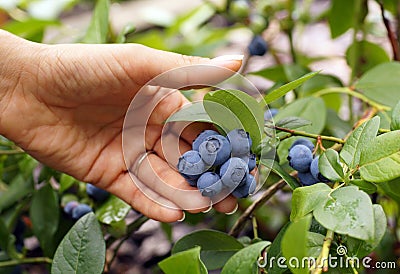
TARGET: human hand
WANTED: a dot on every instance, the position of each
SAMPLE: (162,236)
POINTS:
(65,105)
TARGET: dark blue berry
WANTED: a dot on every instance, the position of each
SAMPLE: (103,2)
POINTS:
(209,184)
(250,159)
(304,142)
(306,178)
(233,171)
(314,169)
(269,113)
(246,187)
(201,138)
(258,46)
(240,142)
(215,150)
(96,193)
(80,210)
(191,165)
(300,158)
(70,206)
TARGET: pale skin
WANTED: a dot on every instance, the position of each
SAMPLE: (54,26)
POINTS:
(65,105)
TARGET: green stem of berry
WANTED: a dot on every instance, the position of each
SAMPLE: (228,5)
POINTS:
(255,227)
(310,135)
(11,152)
(346,90)
(322,261)
(36,260)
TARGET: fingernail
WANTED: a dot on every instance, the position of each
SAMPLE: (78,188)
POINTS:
(232,57)
(183,217)
(233,211)
(208,209)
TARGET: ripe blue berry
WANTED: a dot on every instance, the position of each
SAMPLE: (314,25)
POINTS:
(209,184)
(70,206)
(306,178)
(246,187)
(191,165)
(215,150)
(314,169)
(80,210)
(257,46)
(233,171)
(300,158)
(250,159)
(304,142)
(202,137)
(269,113)
(240,142)
(96,193)
(190,181)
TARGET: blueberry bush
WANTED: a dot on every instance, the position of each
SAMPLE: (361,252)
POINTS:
(313,158)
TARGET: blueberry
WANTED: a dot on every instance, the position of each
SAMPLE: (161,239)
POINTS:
(70,206)
(250,159)
(300,158)
(314,168)
(215,150)
(248,186)
(96,193)
(269,113)
(201,138)
(257,46)
(304,142)
(191,165)
(233,171)
(190,181)
(240,142)
(80,210)
(209,184)
(306,178)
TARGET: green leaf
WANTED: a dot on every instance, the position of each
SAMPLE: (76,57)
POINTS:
(392,189)
(329,165)
(348,211)
(281,91)
(369,55)
(82,250)
(216,247)
(380,160)
(127,29)
(306,108)
(235,109)
(45,214)
(31,29)
(194,112)
(275,251)
(99,24)
(382,84)
(66,182)
(184,262)
(341,16)
(245,260)
(395,124)
(276,168)
(336,126)
(7,241)
(292,122)
(368,187)
(19,187)
(305,199)
(363,248)
(112,211)
(282,73)
(294,243)
(314,244)
(358,140)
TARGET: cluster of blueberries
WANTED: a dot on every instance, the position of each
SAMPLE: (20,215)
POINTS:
(301,159)
(217,162)
(76,210)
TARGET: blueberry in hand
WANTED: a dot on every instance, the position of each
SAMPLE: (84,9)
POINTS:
(80,210)
(314,169)
(189,180)
(209,184)
(306,178)
(300,158)
(304,142)
(215,150)
(250,159)
(258,46)
(96,193)
(233,171)
(202,137)
(246,187)
(70,206)
(240,142)
(190,165)
(269,113)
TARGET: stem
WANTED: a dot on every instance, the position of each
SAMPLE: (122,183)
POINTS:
(346,90)
(323,256)
(241,221)
(383,130)
(255,227)
(11,152)
(36,260)
(390,33)
(356,54)
(310,135)
(290,8)
(135,225)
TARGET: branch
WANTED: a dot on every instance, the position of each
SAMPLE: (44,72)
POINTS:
(310,135)
(390,33)
(35,260)
(238,226)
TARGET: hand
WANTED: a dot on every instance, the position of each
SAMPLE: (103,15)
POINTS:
(65,105)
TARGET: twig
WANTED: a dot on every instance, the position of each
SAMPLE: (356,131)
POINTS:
(310,135)
(36,260)
(241,221)
(322,261)
(11,152)
(390,33)
(135,225)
